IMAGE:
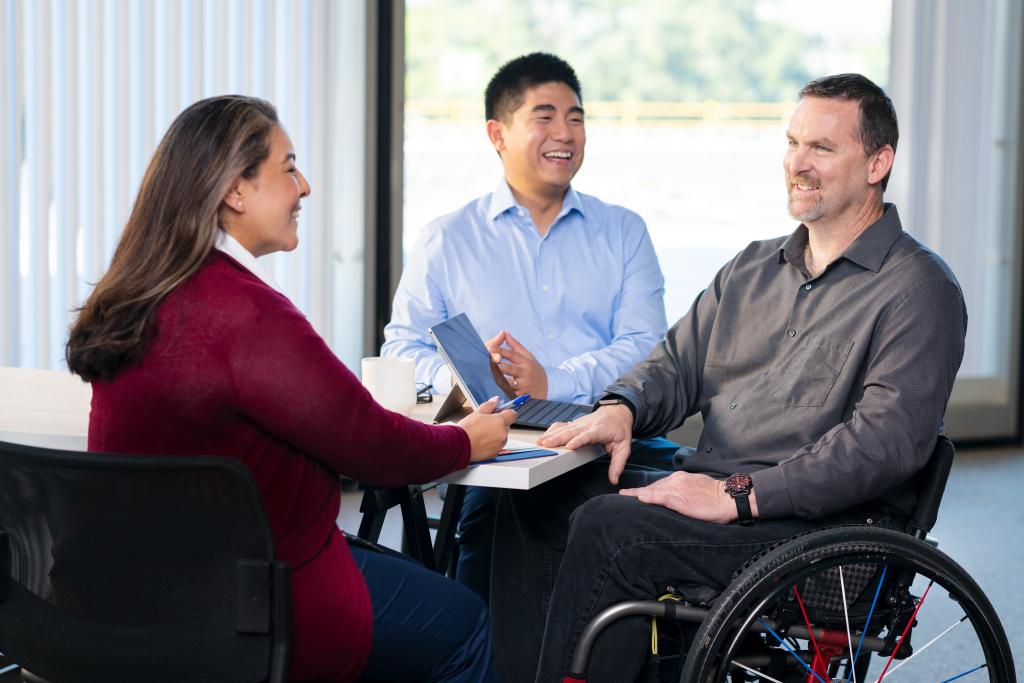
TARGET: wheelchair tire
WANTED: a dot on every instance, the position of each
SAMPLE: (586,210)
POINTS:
(740,621)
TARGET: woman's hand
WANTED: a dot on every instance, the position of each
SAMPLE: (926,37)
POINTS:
(487,430)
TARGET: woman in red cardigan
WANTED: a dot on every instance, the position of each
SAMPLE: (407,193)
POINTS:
(191,349)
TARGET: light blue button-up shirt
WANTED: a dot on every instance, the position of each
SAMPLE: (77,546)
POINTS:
(587,299)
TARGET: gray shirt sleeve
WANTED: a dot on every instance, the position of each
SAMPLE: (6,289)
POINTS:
(665,388)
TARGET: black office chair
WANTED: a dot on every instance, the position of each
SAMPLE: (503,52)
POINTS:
(138,568)
(830,604)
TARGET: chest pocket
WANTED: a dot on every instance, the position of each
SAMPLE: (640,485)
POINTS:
(806,378)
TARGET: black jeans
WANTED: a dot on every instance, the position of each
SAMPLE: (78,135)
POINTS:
(567,549)
(476,521)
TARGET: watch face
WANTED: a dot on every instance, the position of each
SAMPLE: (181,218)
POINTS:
(738,483)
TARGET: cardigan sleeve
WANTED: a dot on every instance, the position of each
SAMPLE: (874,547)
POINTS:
(289,383)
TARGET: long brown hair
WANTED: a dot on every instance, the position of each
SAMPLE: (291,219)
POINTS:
(171,230)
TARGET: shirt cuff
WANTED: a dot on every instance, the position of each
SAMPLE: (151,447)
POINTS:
(560,385)
(772,493)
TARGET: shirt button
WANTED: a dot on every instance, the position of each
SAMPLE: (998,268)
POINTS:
(520,212)
(551,335)
(545,288)
(808,286)
(708,449)
(791,333)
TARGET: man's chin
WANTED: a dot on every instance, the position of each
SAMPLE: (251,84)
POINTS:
(806,214)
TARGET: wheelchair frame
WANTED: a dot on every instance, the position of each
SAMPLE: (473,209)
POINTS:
(741,614)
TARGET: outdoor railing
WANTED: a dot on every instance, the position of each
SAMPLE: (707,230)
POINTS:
(625,113)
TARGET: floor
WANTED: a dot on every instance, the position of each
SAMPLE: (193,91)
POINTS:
(980,526)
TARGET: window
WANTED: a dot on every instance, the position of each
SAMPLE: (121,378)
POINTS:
(687,106)
(88,88)
(686,109)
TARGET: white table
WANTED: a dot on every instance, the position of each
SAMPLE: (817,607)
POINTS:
(514,474)
(64,442)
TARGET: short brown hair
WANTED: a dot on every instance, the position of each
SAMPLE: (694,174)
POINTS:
(878,124)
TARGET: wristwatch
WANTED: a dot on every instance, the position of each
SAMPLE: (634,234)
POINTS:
(739,486)
(616,401)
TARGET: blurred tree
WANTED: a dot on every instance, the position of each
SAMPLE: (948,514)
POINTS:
(645,50)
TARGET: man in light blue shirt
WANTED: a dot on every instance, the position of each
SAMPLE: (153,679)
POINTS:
(565,288)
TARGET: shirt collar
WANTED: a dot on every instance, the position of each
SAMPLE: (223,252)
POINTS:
(502,200)
(233,248)
(868,251)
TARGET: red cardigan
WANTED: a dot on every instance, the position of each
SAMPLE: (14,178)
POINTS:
(235,369)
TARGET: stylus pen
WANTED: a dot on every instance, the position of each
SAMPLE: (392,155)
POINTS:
(513,404)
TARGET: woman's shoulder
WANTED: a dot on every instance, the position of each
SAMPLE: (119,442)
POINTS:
(224,292)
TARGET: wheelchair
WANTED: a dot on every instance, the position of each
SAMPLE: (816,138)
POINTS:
(847,603)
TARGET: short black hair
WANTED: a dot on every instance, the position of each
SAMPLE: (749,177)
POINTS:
(504,93)
(878,125)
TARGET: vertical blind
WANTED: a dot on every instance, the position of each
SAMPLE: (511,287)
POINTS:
(88,88)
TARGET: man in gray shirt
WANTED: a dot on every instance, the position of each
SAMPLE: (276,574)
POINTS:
(821,363)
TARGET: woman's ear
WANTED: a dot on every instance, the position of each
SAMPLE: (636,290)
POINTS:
(234,200)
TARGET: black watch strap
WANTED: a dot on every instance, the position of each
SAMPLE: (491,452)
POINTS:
(614,400)
(743,508)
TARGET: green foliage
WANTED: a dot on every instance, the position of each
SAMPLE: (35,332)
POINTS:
(641,50)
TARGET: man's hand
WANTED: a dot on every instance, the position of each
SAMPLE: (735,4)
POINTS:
(697,496)
(487,430)
(518,364)
(610,426)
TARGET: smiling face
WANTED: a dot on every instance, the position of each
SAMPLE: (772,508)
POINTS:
(541,147)
(828,176)
(264,210)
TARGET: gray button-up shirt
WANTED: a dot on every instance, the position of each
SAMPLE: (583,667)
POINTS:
(829,390)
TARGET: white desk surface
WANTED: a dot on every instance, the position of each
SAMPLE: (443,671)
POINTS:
(514,474)
(64,442)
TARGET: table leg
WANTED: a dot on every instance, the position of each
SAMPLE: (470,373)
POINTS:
(444,546)
(417,529)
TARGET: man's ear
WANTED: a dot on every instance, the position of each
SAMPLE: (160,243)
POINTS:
(235,198)
(880,164)
(496,134)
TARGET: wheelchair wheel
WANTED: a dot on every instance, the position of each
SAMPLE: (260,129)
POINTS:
(892,604)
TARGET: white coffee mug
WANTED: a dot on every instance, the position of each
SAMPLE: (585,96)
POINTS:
(391,382)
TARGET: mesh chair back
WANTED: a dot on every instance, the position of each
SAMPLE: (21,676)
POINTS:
(132,568)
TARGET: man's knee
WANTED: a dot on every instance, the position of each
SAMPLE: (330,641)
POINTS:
(604,517)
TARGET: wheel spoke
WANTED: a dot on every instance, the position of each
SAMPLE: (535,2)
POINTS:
(928,644)
(846,617)
(756,673)
(807,621)
(903,636)
(788,648)
(874,601)
(969,671)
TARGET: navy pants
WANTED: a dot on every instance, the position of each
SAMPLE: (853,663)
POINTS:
(425,627)
(476,521)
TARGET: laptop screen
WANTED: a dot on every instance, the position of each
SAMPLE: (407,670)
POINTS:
(460,344)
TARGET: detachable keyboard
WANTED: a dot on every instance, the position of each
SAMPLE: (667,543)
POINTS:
(541,414)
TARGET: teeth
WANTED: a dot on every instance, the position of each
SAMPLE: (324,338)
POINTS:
(558,155)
